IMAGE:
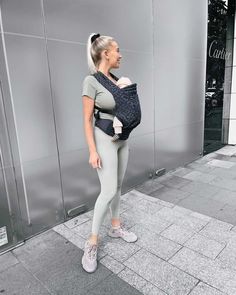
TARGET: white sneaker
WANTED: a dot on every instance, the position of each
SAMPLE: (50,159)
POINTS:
(123,233)
(89,259)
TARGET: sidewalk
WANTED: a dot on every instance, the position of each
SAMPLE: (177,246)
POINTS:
(186,226)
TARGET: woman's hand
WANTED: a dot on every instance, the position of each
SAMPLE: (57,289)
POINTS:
(94,160)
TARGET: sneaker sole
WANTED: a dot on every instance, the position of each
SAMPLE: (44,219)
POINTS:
(114,236)
(87,270)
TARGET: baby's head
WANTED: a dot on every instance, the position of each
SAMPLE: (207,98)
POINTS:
(123,81)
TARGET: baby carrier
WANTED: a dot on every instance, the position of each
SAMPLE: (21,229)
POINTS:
(127,108)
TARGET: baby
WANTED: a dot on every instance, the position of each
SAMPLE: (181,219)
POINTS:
(117,124)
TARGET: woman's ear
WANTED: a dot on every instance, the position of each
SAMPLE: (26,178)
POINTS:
(105,54)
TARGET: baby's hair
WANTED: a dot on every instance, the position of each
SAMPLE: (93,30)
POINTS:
(94,50)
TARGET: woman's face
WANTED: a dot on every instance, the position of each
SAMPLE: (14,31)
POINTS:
(113,55)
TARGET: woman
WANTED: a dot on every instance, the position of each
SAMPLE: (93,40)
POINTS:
(109,157)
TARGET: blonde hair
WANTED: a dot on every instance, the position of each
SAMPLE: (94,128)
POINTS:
(94,50)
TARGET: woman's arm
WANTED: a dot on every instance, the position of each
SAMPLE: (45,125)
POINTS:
(88,106)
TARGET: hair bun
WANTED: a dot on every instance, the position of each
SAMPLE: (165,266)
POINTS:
(94,37)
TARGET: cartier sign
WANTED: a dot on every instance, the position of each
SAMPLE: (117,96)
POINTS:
(217,53)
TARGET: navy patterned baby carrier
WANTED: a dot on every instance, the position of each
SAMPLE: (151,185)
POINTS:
(127,108)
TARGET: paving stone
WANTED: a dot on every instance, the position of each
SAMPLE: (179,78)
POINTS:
(187,221)
(112,264)
(218,225)
(113,285)
(134,216)
(160,273)
(201,160)
(175,182)
(200,216)
(154,243)
(221,182)
(148,186)
(228,150)
(227,214)
(76,221)
(150,289)
(204,289)
(63,230)
(170,194)
(221,163)
(131,197)
(84,230)
(204,246)
(57,264)
(212,155)
(191,223)
(166,204)
(218,230)
(224,196)
(202,189)
(199,176)
(168,214)
(227,258)
(177,234)
(7,260)
(205,269)
(201,167)
(89,214)
(233,228)
(147,206)
(222,172)
(180,171)
(154,199)
(132,278)
(77,240)
(154,224)
(201,204)
(229,158)
(17,280)
(118,248)
(182,210)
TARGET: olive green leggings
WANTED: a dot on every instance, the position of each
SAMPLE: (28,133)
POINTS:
(114,158)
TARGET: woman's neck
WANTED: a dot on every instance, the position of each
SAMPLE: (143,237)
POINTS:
(105,70)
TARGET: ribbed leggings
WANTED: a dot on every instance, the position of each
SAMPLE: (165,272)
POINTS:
(114,158)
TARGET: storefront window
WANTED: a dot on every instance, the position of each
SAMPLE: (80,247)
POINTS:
(219,55)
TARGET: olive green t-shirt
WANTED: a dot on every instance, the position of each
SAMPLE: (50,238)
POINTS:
(103,98)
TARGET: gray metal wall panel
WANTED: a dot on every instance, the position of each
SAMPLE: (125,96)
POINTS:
(80,182)
(141,160)
(37,174)
(184,144)
(43,193)
(23,17)
(31,97)
(74,20)
(180,42)
(66,70)
(10,215)
(5,219)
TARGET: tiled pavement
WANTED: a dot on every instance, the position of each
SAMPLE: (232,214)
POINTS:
(186,227)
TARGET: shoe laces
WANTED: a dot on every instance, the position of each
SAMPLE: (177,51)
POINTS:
(92,251)
(122,229)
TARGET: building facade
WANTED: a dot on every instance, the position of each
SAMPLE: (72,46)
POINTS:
(45,177)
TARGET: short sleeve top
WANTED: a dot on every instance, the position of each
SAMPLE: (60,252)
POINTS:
(103,98)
